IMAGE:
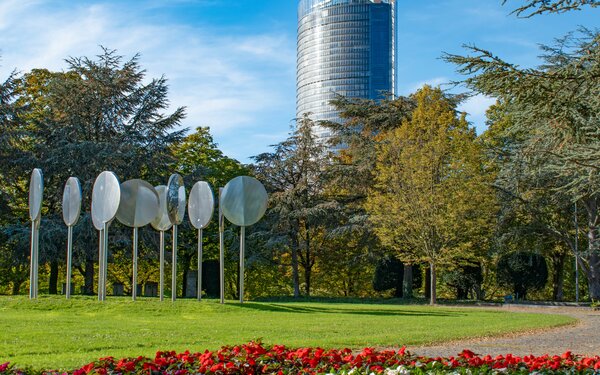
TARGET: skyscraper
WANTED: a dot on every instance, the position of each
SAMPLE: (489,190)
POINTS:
(345,47)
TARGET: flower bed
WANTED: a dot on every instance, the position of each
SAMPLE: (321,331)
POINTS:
(256,358)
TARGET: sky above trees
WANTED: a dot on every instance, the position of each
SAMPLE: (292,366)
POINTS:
(232,63)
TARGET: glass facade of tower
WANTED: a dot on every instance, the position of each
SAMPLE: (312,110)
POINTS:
(345,47)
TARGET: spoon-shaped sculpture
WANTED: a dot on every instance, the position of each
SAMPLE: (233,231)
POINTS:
(71,208)
(201,205)
(244,202)
(106,196)
(138,207)
(161,223)
(176,212)
(36,192)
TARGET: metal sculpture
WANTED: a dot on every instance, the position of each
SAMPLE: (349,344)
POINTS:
(201,205)
(176,213)
(36,192)
(243,202)
(71,209)
(161,223)
(137,208)
(106,197)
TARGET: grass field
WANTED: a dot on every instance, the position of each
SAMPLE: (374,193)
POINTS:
(52,332)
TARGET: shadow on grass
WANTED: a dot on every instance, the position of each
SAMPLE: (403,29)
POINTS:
(277,307)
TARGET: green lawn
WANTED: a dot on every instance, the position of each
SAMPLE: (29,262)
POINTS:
(55,333)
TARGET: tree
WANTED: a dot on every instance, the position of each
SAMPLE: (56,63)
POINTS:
(536,7)
(98,115)
(464,279)
(523,271)
(352,175)
(556,109)
(299,210)
(432,200)
(532,214)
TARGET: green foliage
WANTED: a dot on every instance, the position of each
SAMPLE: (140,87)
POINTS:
(432,200)
(299,209)
(350,177)
(389,274)
(464,279)
(523,272)
(99,115)
(553,133)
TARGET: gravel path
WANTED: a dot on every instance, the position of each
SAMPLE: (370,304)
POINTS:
(582,338)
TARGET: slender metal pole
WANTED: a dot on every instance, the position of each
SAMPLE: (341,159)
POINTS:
(162,265)
(576,256)
(37,259)
(135,264)
(69,260)
(32,268)
(221,249)
(100,262)
(242,246)
(199,264)
(36,275)
(105,260)
(174,266)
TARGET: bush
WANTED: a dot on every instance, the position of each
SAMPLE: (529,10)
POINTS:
(389,274)
(522,271)
(464,280)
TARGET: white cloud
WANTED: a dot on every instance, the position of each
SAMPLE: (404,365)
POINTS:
(475,107)
(414,86)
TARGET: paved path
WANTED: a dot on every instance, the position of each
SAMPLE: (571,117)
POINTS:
(582,338)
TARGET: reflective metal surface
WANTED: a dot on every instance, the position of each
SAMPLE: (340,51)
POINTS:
(71,206)
(176,199)
(201,204)
(161,222)
(106,196)
(139,203)
(71,201)
(34,259)
(36,192)
(97,224)
(244,201)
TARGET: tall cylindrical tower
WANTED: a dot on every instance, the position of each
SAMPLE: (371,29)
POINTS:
(345,47)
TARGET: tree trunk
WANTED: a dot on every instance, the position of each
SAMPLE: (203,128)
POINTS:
(295,272)
(88,286)
(593,256)
(428,283)
(558,278)
(407,281)
(433,299)
(594,276)
(307,280)
(53,282)
(308,267)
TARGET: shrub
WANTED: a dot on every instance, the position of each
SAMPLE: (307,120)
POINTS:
(522,271)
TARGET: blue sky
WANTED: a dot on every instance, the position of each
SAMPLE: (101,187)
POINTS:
(232,62)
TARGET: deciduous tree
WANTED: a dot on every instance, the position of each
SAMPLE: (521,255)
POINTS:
(432,198)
